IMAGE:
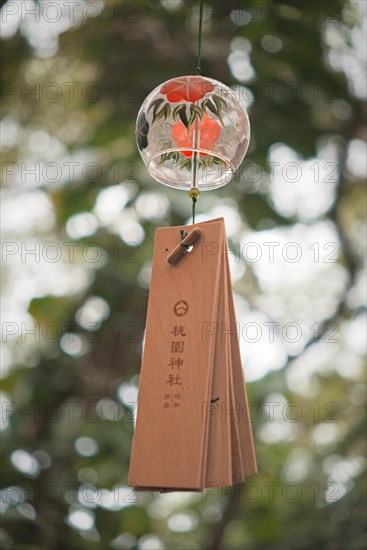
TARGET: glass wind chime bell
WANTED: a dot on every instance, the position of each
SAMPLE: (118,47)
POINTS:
(193,133)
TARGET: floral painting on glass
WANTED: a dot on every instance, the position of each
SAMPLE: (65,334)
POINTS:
(193,128)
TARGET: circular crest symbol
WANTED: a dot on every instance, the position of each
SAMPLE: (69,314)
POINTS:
(180,308)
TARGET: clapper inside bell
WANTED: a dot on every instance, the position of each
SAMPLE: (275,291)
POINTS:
(193,428)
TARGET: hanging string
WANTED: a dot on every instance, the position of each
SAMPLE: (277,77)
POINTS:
(194,191)
(194,194)
(198,58)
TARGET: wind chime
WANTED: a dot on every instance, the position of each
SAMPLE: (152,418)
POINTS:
(193,428)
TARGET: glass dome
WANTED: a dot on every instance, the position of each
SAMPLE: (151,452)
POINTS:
(192,131)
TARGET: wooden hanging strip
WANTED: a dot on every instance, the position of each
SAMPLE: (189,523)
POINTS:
(176,375)
(193,429)
(219,460)
(242,427)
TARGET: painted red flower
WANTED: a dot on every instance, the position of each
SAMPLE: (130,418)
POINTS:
(187,88)
(209,131)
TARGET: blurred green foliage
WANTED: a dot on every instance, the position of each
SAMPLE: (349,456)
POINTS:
(310,490)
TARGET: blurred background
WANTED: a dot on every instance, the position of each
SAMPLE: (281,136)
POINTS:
(79,215)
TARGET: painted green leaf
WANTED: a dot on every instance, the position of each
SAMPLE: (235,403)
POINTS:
(218,103)
(183,117)
(173,155)
(186,163)
(167,111)
(195,112)
(155,105)
(162,158)
(176,111)
(198,110)
(163,113)
(208,104)
(218,100)
(158,116)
